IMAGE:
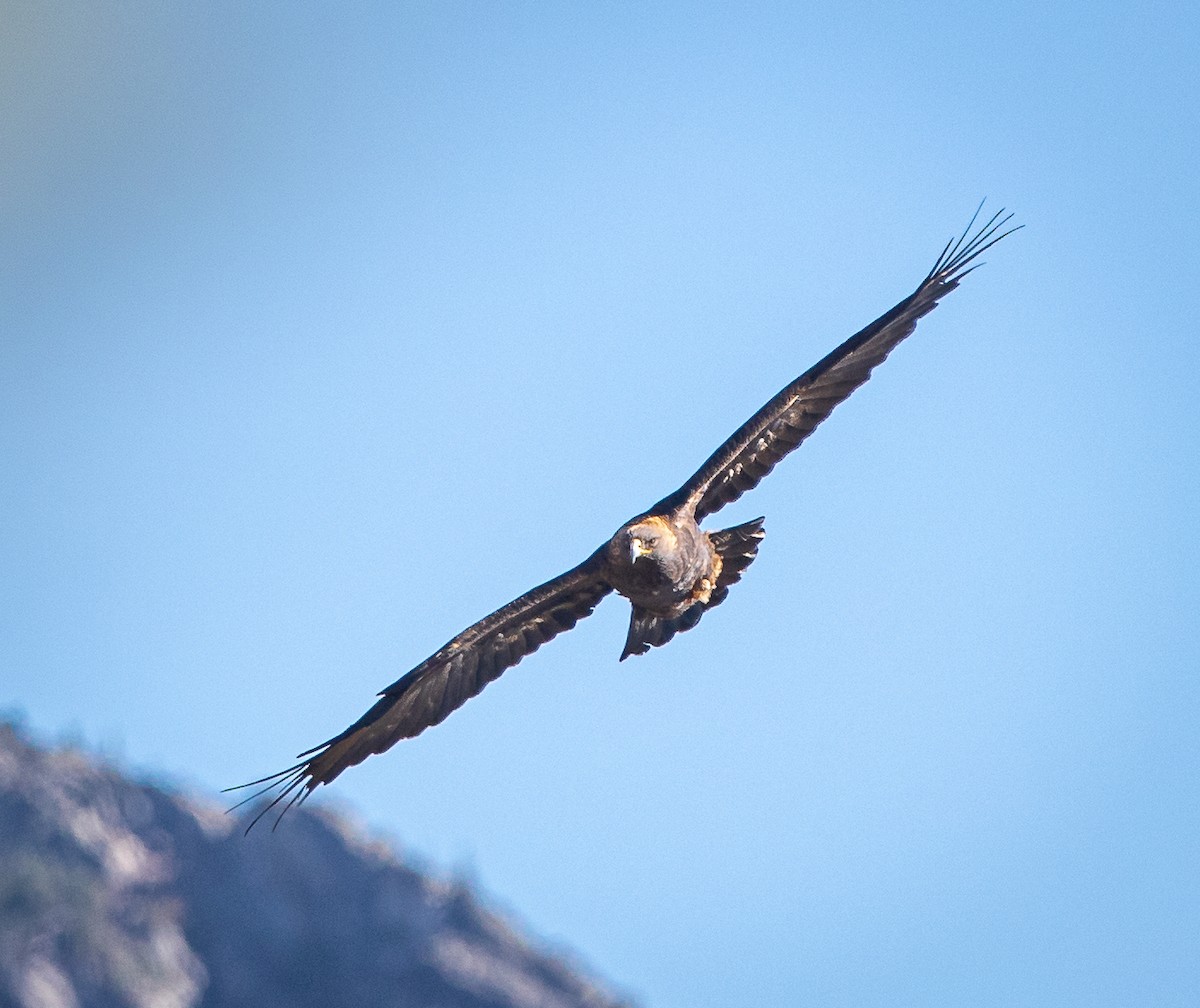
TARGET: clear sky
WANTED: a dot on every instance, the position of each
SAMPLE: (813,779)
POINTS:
(324,331)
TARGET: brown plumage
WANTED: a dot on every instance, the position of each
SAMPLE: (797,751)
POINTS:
(671,571)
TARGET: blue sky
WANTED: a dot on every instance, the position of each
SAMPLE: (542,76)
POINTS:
(326,332)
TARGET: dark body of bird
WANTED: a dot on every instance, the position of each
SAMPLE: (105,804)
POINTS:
(671,570)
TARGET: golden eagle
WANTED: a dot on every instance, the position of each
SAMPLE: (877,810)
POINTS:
(670,569)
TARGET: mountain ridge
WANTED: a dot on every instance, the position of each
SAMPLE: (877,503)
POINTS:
(116,893)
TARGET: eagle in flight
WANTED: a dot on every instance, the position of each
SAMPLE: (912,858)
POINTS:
(671,571)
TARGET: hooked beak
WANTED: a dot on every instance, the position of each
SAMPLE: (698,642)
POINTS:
(637,548)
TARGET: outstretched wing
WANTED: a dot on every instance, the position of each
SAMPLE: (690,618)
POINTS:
(445,680)
(783,423)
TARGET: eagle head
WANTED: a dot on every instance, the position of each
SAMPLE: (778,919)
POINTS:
(652,538)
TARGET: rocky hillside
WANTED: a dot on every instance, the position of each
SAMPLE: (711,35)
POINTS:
(115,894)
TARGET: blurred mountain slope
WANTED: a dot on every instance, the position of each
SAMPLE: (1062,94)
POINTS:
(115,894)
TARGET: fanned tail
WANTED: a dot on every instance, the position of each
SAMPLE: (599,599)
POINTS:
(737,547)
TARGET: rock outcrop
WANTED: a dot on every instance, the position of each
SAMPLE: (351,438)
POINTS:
(115,894)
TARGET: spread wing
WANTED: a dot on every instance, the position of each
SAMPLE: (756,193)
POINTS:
(444,681)
(783,423)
